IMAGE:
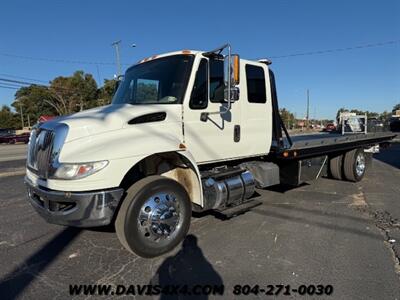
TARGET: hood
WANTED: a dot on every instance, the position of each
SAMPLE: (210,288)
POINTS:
(106,118)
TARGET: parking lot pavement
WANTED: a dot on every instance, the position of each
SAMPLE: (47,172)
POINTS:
(326,232)
(12,152)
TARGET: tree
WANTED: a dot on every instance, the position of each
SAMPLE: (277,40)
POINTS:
(8,119)
(32,99)
(369,114)
(385,116)
(341,110)
(106,92)
(288,118)
(396,107)
(146,92)
(65,95)
(74,93)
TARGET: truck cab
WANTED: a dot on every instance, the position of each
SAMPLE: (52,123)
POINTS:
(187,130)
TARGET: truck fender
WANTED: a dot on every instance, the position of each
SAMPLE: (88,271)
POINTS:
(178,165)
(190,177)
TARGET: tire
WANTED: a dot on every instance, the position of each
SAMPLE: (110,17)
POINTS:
(13,141)
(141,231)
(355,165)
(335,166)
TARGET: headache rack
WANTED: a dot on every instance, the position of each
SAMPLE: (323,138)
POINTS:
(278,142)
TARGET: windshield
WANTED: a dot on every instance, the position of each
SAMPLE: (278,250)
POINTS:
(159,81)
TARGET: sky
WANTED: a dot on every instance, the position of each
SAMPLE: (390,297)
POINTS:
(365,78)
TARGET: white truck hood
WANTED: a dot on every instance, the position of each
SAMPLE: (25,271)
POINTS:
(105,118)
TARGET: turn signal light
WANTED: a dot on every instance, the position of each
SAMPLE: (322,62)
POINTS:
(236,60)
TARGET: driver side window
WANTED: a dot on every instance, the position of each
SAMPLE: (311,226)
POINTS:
(199,96)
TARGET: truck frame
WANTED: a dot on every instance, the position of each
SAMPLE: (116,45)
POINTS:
(186,131)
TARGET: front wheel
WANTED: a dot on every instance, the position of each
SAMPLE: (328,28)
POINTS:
(154,217)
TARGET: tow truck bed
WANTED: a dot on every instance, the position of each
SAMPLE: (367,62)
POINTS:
(324,143)
(312,145)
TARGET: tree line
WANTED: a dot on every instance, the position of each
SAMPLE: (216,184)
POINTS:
(64,95)
(291,121)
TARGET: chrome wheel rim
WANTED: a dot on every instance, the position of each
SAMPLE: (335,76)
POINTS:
(159,217)
(360,164)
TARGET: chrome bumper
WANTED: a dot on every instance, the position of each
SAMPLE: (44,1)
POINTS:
(79,209)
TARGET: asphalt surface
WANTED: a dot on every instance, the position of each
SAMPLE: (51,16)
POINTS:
(12,152)
(327,232)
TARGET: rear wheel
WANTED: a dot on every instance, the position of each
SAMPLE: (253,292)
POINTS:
(154,217)
(335,166)
(355,165)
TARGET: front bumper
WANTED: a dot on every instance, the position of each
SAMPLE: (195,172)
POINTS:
(79,209)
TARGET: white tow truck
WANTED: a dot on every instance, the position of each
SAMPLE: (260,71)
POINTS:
(186,131)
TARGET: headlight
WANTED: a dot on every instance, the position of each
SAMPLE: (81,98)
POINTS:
(77,171)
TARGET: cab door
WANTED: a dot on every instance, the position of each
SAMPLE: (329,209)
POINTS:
(256,108)
(218,136)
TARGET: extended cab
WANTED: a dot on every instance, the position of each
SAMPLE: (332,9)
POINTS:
(186,131)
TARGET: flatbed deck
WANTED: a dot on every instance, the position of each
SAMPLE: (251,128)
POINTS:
(324,143)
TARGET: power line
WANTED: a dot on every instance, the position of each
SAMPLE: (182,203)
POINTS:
(21,84)
(11,84)
(371,45)
(17,81)
(26,84)
(381,44)
(8,87)
(20,77)
(56,60)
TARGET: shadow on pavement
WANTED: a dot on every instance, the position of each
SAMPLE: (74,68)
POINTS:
(15,282)
(283,188)
(304,220)
(188,267)
(106,229)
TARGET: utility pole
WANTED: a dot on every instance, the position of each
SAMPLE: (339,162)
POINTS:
(308,108)
(22,116)
(116,46)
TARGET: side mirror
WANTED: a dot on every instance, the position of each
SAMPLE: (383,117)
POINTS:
(231,77)
(234,93)
(232,69)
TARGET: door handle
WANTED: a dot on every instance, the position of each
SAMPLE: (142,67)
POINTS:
(236,133)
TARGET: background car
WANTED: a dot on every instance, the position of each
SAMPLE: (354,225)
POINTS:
(330,127)
(14,138)
(375,125)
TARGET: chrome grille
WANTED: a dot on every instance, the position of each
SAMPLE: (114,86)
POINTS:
(40,151)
